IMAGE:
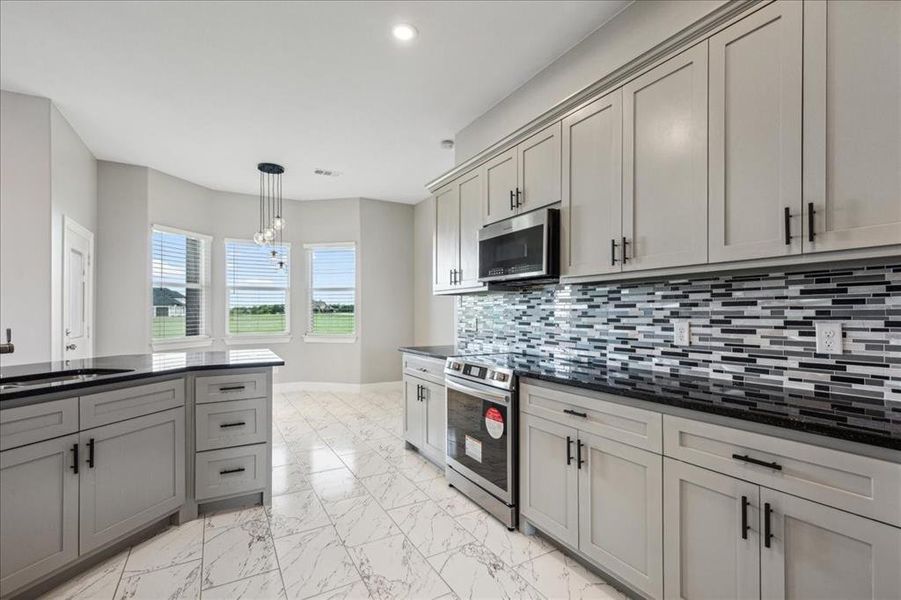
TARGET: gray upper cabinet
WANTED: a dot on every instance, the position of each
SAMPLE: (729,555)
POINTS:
(621,511)
(549,483)
(131,473)
(862,561)
(665,164)
(538,167)
(852,124)
(710,549)
(499,187)
(755,135)
(447,237)
(470,193)
(38,511)
(591,219)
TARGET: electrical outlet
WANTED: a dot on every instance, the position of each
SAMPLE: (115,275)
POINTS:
(681,333)
(829,338)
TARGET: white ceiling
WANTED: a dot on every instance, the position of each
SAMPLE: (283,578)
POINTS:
(205,90)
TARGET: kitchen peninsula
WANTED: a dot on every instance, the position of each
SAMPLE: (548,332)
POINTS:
(96,452)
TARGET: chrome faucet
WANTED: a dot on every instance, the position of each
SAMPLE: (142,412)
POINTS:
(8,347)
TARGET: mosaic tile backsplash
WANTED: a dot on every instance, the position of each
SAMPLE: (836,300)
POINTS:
(756,328)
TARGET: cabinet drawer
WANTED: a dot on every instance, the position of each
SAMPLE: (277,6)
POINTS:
(127,403)
(37,422)
(857,484)
(231,471)
(634,426)
(218,388)
(233,423)
(423,366)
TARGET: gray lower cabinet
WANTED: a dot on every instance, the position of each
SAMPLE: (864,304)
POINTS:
(425,417)
(230,471)
(131,473)
(38,511)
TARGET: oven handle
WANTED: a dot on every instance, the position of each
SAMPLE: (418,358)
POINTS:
(498,398)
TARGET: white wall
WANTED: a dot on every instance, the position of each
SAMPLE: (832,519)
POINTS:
(637,29)
(433,321)
(386,287)
(73,194)
(25,259)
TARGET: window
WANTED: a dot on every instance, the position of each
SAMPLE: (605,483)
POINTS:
(259,293)
(333,290)
(180,281)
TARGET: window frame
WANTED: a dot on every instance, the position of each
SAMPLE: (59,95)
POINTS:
(187,341)
(238,339)
(333,338)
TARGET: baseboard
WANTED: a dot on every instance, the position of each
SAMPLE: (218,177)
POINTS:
(326,386)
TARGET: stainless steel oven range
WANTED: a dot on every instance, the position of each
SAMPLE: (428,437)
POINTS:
(482,443)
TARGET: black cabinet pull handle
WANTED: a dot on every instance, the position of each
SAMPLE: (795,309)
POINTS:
(575,413)
(91,453)
(74,466)
(235,424)
(569,452)
(579,460)
(231,388)
(754,461)
(228,471)
(787,215)
(450,276)
(612,252)
(744,517)
(518,193)
(511,200)
(767,533)
(810,212)
(625,243)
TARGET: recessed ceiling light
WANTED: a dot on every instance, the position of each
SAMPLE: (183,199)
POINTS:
(404,32)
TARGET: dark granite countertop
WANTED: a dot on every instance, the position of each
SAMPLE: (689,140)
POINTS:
(850,417)
(137,366)
(441,352)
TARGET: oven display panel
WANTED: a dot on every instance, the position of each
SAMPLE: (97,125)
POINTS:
(474,371)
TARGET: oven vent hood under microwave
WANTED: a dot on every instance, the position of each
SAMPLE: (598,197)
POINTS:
(524,248)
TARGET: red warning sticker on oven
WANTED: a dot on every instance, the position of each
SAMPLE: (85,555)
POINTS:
(494,423)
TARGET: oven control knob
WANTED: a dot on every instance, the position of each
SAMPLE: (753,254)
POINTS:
(455,366)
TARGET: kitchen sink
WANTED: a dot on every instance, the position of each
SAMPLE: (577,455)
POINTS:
(56,377)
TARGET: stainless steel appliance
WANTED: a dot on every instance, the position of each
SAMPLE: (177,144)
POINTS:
(526,246)
(482,428)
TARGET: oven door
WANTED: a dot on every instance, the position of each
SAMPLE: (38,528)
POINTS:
(481,436)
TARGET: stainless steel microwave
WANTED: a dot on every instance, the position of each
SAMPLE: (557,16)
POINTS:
(526,246)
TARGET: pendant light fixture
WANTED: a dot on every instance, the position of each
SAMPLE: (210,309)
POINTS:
(272,222)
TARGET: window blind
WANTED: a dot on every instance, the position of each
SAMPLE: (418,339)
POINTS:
(258,291)
(333,293)
(179,274)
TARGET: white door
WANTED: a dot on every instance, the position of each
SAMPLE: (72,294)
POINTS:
(447,237)
(414,411)
(665,164)
(538,162)
(78,297)
(470,192)
(755,136)
(710,535)
(621,511)
(499,187)
(434,434)
(549,486)
(819,552)
(852,124)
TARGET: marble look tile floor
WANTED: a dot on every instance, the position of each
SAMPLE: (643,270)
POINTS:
(354,516)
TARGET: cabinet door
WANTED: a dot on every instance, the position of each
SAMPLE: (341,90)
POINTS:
(820,552)
(665,164)
(498,187)
(434,442)
(447,237)
(591,222)
(38,511)
(621,511)
(852,123)
(549,486)
(538,162)
(138,475)
(706,553)
(470,192)
(755,135)
(414,420)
